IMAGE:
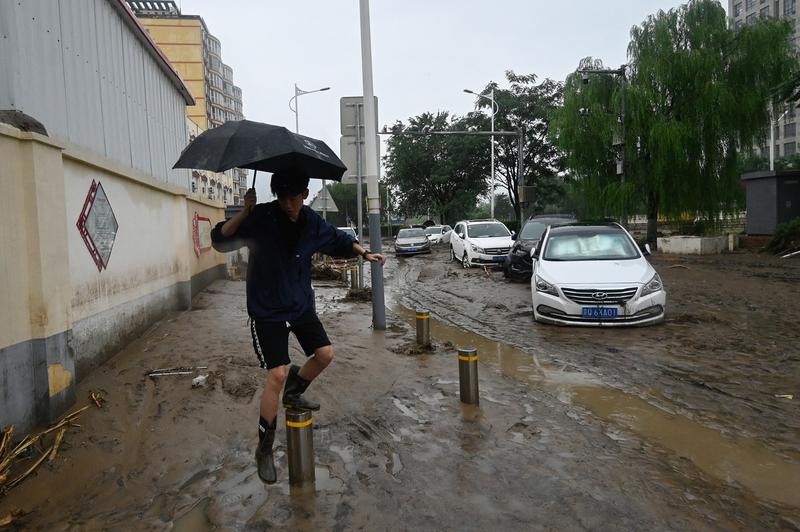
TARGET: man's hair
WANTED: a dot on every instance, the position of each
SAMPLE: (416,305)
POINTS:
(288,182)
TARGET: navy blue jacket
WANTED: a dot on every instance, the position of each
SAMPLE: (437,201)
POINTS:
(279,267)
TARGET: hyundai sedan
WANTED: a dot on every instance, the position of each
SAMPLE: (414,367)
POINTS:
(594,275)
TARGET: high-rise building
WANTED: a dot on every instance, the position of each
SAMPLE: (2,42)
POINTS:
(197,56)
(743,12)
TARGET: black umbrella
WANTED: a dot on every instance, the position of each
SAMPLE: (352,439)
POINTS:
(247,144)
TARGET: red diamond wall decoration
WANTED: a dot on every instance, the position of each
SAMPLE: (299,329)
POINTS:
(98,225)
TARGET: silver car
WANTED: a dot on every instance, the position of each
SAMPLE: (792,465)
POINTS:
(412,242)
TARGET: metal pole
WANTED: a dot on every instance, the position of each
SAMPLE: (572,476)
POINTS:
(373,196)
(359,183)
(468,375)
(296,109)
(493,182)
(520,177)
(300,446)
(423,327)
(771,142)
(354,278)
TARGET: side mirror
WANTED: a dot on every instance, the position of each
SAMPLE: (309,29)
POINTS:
(460,235)
(535,253)
(646,250)
(513,235)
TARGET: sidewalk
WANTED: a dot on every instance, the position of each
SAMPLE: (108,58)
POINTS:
(395,449)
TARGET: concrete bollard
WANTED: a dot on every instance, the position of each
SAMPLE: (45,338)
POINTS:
(354,278)
(423,327)
(300,446)
(468,375)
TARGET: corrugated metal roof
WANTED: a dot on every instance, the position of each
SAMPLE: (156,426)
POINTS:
(76,66)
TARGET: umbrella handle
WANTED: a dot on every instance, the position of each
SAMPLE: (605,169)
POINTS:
(254,178)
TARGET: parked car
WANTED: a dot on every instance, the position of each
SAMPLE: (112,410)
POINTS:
(518,264)
(350,232)
(435,233)
(411,242)
(594,275)
(480,242)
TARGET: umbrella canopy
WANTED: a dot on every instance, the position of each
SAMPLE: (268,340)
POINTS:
(247,144)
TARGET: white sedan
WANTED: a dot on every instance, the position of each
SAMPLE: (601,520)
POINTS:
(594,275)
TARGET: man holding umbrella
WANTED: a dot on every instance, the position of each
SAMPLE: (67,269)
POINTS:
(282,237)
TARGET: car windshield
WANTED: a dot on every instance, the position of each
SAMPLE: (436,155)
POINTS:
(487,230)
(411,233)
(350,232)
(590,245)
(533,231)
(433,230)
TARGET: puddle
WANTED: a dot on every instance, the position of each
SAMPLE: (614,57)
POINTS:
(732,460)
(346,454)
(324,481)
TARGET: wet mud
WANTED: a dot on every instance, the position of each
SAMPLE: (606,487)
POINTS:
(576,429)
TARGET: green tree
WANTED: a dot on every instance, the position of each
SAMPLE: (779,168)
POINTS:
(345,196)
(437,174)
(528,106)
(696,93)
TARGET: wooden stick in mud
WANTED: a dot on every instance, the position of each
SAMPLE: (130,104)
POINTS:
(30,470)
(5,444)
(57,444)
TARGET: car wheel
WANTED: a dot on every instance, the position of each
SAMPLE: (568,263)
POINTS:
(465,261)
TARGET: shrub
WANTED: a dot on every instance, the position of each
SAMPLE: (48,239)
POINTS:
(786,237)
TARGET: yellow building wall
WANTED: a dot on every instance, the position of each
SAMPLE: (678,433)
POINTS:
(181,40)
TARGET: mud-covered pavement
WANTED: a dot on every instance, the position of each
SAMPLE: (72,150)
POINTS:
(672,427)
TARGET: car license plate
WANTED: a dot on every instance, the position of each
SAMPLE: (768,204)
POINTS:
(501,258)
(412,249)
(599,312)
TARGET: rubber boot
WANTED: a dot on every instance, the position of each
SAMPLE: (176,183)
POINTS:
(293,391)
(264,461)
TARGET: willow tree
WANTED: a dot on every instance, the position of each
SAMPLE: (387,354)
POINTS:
(695,93)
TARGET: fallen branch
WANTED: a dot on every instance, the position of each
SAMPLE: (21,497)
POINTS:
(30,470)
(792,254)
(5,444)
(57,444)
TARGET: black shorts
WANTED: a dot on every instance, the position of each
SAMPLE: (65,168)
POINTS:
(271,338)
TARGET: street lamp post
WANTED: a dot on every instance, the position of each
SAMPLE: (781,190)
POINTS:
(622,73)
(297,93)
(495,109)
(772,125)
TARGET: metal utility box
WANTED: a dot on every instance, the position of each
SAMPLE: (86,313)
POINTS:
(773,198)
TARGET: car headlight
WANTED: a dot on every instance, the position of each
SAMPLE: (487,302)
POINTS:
(652,286)
(476,249)
(545,287)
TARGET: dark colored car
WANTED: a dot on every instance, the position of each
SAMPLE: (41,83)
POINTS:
(518,265)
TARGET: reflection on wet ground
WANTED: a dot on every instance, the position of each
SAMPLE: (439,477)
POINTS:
(732,460)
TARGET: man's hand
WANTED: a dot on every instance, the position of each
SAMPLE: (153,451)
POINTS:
(375,257)
(250,200)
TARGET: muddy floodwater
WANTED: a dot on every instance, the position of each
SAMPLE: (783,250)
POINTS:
(685,425)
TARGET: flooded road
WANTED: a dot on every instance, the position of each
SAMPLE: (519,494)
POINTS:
(677,386)
(576,429)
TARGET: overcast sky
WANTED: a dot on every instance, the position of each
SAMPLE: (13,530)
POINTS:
(425,52)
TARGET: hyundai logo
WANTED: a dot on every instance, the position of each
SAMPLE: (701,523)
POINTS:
(599,296)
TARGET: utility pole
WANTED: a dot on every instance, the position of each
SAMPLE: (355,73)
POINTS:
(371,154)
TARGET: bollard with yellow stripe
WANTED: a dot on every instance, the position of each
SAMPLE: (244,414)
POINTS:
(468,375)
(423,327)
(354,277)
(300,446)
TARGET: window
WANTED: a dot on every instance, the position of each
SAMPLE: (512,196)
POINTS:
(739,24)
(789,7)
(750,4)
(789,130)
(789,148)
(777,132)
(765,12)
(751,18)
(777,151)
(737,9)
